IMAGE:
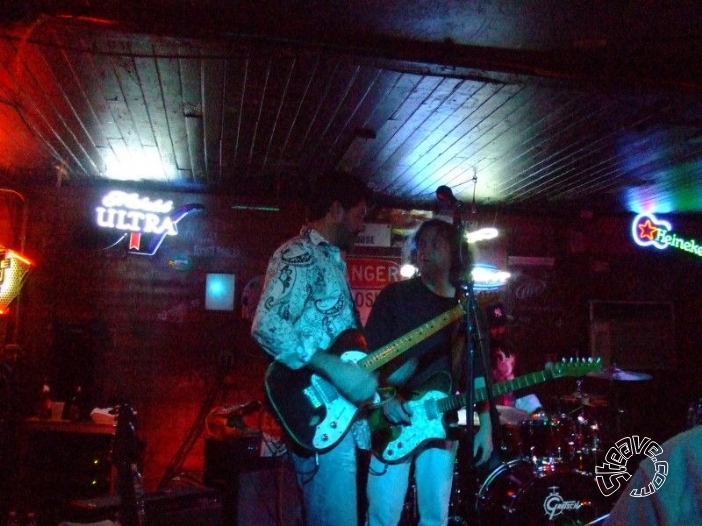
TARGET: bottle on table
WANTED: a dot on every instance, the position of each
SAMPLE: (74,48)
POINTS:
(74,411)
(45,401)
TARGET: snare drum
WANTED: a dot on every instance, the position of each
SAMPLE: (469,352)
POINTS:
(517,493)
(547,439)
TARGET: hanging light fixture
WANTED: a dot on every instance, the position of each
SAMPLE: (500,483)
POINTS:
(478,233)
(13,272)
(13,266)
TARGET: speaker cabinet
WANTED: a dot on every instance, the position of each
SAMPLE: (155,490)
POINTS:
(255,490)
(633,335)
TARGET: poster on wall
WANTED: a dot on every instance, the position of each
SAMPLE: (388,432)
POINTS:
(368,276)
(534,328)
(529,285)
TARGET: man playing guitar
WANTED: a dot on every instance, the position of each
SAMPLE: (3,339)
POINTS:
(397,308)
(305,305)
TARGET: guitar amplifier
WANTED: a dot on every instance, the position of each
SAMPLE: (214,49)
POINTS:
(226,458)
(254,489)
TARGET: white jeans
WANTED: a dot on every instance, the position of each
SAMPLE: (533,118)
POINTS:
(433,475)
(329,488)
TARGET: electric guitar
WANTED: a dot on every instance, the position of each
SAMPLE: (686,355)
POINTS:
(393,442)
(310,409)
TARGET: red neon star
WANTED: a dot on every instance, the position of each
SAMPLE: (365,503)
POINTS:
(647,230)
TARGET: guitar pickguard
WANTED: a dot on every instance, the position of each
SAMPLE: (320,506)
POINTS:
(427,423)
(339,411)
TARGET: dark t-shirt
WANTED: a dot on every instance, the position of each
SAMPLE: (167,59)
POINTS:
(401,307)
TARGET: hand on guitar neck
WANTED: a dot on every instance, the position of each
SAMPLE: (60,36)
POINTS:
(355,383)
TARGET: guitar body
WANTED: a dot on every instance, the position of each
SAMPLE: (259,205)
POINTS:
(310,408)
(392,442)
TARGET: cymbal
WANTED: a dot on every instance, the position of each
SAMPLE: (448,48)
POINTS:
(614,373)
(589,400)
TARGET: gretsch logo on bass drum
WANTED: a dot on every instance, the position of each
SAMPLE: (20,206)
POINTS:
(555,505)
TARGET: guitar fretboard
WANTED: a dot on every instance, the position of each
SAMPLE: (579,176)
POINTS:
(563,369)
(398,346)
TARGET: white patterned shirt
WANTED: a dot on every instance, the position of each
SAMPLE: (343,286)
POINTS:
(306,301)
(305,304)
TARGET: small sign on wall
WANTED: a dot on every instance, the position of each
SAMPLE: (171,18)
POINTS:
(375,235)
(368,276)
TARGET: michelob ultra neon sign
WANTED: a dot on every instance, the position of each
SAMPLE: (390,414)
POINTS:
(134,217)
(647,230)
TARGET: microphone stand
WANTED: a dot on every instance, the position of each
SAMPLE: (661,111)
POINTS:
(473,336)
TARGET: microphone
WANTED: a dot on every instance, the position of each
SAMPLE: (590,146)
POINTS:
(445,195)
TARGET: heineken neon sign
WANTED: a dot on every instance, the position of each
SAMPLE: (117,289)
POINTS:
(647,230)
(141,220)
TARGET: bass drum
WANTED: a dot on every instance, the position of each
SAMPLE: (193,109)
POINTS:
(518,494)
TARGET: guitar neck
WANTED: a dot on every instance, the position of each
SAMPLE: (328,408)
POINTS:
(456,402)
(396,347)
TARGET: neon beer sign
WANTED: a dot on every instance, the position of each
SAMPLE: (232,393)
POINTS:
(137,217)
(647,230)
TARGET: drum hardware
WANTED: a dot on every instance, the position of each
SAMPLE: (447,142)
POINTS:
(617,379)
(410,508)
(456,504)
(584,399)
(598,520)
(581,398)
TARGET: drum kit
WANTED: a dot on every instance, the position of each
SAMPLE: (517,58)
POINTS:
(545,473)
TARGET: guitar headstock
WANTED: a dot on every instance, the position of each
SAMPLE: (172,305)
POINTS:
(575,367)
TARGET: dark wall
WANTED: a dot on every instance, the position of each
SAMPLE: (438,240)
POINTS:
(137,326)
(653,329)
(134,328)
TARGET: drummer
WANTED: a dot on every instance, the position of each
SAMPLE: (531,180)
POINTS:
(503,360)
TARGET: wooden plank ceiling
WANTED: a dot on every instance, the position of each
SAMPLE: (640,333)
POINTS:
(511,104)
